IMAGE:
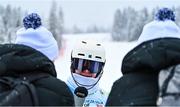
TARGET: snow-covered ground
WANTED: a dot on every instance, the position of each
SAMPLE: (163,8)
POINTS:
(115,52)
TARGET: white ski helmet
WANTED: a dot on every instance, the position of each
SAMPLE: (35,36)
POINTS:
(83,52)
(89,50)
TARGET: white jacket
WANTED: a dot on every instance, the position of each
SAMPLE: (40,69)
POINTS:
(95,95)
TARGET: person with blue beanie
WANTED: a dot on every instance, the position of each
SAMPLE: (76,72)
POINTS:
(34,35)
(33,55)
(162,26)
(157,49)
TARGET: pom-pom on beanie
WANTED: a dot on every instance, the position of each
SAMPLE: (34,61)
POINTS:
(32,20)
(165,14)
(34,35)
(163,26)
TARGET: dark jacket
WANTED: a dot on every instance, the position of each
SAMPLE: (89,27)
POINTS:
(19,59)
(140,69)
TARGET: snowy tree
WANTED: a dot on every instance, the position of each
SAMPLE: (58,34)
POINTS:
(92,29)
(76,29)
(131,24)
(16,17)
(177,11)
(118,25)
(143,18)
(11,19)
(104,30)
(17,14)
(128,24)
(60,26)
(96,29)
(56,23)
(6,19)
(61,21)
(10,22)
(53,22)
(1,24)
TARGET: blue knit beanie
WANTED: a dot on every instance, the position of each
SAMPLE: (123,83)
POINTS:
(33,34)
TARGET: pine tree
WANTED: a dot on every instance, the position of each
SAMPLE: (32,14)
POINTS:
(177,15)
(53,23)
(128,24)
(56,23)
(61,21)
(60,27)
(143,18)
(6,18)
(131,24)
(76,29)
(93,29)
(7,23)
(2,10)
(118,26)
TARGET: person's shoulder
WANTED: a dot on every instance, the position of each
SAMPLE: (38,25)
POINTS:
(54,84)
(52,81)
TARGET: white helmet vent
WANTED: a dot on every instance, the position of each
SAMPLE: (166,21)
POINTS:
(84,42)
(80,54)
(98,44)
(98,57)
(90,56)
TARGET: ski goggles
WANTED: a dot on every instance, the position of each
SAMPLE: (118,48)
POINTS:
(83,64)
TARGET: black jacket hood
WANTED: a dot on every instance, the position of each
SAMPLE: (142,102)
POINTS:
(152,56)
(18,59)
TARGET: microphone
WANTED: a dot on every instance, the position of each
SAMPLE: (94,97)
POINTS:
(81,92)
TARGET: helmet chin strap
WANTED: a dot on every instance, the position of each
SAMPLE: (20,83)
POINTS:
(81,91)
